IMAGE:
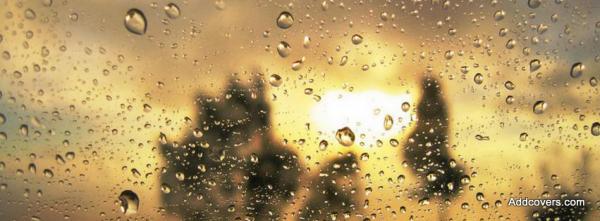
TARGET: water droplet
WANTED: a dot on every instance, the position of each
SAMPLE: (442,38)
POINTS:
(285,20)
(59,159)
(30,14)
(70,155)
(32,168)
(343,60)
(306,42)
(172,10)
(593,82)
(482,137)
(596,129)
(47,3)
(509,85)
(510,44)
(231,208)
(357,39)
(197,133)
(394,142)
(220,4)
(308,91)
(74,17)
(323,145)
(431,177)
(405,106)
(400,178)
(165,188)
(275,80)
(510,99)
(479,196)
(284,49)
(24,130)
(465,180)
(136,173)
(577,70)
(503,32)
(180,176)
(388,122)
(147,108)
(449,54)
(254,158)
(539,107)
(478,78)
(345,136)
(2,119)
(135,21)
(499,15)
(364,156)
(534,65)
(297,65)
(533,4)
(48,173)
(523,136)
(129,202)
(162,138)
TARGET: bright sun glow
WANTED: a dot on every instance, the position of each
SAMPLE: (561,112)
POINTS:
(363,112)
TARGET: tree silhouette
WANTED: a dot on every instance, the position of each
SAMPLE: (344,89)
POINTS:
(231,164)
(335,193)
(230,167)
(427,148)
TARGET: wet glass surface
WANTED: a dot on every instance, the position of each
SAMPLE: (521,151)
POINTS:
(298,110)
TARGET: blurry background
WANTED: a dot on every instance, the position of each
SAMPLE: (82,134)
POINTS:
(173,100)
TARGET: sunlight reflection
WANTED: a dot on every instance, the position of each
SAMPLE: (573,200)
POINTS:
(364,112)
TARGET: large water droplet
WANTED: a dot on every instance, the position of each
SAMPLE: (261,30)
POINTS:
(48,173)
(129,202)
(596,129)
(533,4)
(364,156)
(388,122)
(431,177)
(534,65)
(306,41)
(510,44)
(297,65)
(478,78)
(172,10)
(357,39)
(30,14)
(284,49)
(323,145)
(539,107)
(509,85)
(499,15)
(285,20)
(405,106)
(24,130)
(135,21)
(165,188)
(275,80)
(345,136)
(577,70)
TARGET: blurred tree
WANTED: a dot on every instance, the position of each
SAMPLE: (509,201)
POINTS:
(427,149)
(230,166)
(334,191)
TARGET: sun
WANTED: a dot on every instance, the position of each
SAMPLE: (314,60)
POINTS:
(371,115)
